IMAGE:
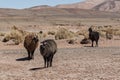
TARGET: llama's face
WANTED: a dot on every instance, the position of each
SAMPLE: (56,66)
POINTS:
(90,29)
(42,49)
(35,38)
(43,46)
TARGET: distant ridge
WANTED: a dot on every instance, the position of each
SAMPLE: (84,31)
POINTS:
(109,5)
(97,5)
(95,9)
(41,6)
(57,12)
(100,5)
(88,4)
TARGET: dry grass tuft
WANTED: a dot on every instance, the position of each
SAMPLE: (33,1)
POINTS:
(84,33)
(16,35)
(63,33)
(102,34)
(85,41)
(71,41)
(41,35)
(2,34)
(51,32)
(117,33)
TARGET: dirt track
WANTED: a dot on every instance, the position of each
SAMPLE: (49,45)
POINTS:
(69,64)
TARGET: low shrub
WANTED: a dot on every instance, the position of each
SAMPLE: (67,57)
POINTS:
(63,33)
(16,35)
(85,41)
(51,33)
(71,41)
(2,34)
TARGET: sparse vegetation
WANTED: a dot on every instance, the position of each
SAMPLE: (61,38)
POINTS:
(44,35)
(71,41)
(85,41)
(109,36)
(107,31)
(16,35)
(83,33)
(41,34)
(63,33)
(102,34)
(117,33)
(51,32)
(2,34)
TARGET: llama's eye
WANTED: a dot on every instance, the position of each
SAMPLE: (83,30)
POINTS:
(42,47)
(34,38)
(45,43)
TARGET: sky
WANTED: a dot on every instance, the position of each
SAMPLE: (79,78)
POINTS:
(20,4)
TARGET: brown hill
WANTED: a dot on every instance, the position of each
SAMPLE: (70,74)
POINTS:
(88,4)
(109,5)
(40,7)
(100,5)
(57,12)
(70,10)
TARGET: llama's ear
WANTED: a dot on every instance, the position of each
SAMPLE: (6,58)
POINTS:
(35,37)
(42,47)
(90,29)
(43,42)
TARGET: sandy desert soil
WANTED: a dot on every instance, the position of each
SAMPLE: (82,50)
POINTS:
(83,63)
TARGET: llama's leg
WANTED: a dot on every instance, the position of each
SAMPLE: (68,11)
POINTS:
(97,43)
(51,59)
(32,54)
(92,43)
(45,60)
(28,54)
(48,62)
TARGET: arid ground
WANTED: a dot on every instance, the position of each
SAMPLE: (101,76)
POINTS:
(71,62)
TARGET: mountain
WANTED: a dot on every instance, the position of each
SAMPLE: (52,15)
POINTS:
(99,5)
(109,5)
(85,9)
(40,7)
(88,4)
(56,13)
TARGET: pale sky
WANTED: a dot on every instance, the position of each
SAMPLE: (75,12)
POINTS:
(20,4)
